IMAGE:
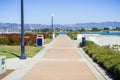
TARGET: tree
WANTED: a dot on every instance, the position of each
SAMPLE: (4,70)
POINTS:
(46,30)
(117,28)
(83,30)
(95,29)
(106,28)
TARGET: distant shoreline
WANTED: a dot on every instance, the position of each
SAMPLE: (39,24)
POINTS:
(113,33)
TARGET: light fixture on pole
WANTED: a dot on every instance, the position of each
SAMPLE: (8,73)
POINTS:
(23,56)
(53,33)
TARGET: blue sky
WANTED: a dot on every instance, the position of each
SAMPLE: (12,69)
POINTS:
(65,11)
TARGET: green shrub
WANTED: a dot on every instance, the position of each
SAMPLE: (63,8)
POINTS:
(73,34)
(105,56)
(80,44)
(14,42)
(116,71)
(4,41)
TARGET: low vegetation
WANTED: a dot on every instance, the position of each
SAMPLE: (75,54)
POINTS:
(104,56)
(15,39)
(73,34)
(47,41)
(15,51)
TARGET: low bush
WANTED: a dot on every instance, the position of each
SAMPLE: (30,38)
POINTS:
(104,56)
(73,34)
(4,41)
(14,41)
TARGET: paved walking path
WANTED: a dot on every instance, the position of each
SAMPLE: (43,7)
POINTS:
(58,61)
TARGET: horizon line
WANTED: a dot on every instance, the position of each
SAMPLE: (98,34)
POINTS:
(59,23)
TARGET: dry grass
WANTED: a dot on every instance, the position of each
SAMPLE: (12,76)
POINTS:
(47,41)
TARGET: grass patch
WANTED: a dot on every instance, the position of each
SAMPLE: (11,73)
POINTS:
(47,41)
(15,51)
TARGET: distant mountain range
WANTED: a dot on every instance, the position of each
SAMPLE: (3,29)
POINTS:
(69,26)
(100,25)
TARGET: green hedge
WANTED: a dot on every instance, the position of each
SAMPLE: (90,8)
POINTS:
(73,34)
(14,42)
(4,41)
(104,56)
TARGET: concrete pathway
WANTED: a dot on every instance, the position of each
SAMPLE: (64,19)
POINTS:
(61,61)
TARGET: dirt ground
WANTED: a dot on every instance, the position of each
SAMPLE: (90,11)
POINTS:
(6,73)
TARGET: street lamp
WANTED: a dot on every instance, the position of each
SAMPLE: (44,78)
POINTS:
(53,33)
(23,56)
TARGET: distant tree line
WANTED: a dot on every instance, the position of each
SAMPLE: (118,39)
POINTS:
(95,29)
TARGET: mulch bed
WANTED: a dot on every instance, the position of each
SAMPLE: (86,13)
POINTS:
(6,73)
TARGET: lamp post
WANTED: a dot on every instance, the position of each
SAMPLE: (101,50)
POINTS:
(23,56)
(53,34)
